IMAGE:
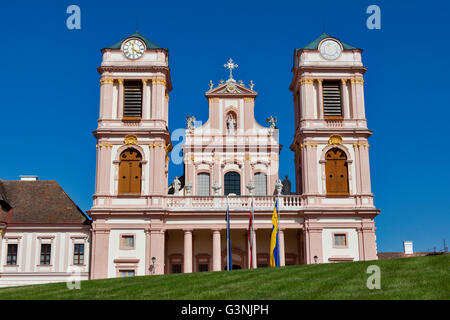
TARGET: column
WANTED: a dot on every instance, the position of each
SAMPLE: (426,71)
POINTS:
(187,251)
(120,100)
(319,98)
(148,257)
(145,103)
(99,263)
(157,249)
(106,98)
(282,252)
(344,99)
(217,266)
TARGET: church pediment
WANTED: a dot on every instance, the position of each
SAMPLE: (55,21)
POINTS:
(231,88)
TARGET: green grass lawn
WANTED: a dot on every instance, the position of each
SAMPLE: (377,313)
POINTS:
(409,278)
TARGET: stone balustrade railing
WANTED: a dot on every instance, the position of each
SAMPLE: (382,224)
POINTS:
(234,202)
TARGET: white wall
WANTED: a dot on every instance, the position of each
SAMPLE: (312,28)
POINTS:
(28,269)
(352,241)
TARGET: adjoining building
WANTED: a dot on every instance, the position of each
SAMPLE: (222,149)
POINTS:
(44,236)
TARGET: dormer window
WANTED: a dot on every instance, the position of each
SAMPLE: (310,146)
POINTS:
(132,99)
(332,104)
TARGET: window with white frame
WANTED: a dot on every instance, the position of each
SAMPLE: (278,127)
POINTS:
(203,184)
(260,184)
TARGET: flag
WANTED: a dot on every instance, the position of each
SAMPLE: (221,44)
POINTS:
(229,260)
(274,245)
(250,237)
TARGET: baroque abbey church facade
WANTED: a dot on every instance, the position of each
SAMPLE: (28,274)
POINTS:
(140,226)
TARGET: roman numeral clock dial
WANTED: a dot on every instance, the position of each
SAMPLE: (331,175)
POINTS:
(133,49)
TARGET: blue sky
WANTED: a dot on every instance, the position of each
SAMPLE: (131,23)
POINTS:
(50,88)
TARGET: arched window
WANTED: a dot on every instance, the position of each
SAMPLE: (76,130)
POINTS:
(203,184)
(336,171)
(130,171)
(260,184)
(232,183)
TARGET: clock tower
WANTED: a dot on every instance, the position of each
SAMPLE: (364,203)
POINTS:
(331,147)
(133,142)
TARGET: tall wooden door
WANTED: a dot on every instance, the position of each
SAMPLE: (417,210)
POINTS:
(130,171)
(336,170)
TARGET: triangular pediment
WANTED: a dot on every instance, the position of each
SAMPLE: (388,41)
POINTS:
(231,88)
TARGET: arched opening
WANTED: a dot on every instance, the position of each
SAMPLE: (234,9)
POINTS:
(336,170)
(232,183)
(130,172)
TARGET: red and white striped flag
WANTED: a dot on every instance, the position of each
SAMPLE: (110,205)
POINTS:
(250,238)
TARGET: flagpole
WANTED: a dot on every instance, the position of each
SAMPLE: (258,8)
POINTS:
(228,236)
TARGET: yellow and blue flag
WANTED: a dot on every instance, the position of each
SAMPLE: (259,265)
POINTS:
(274,245)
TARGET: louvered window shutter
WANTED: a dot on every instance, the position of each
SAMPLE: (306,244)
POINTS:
(132,104)
(332,106)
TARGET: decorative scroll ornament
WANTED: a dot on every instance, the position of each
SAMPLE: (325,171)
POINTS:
(335,140)
(130,139)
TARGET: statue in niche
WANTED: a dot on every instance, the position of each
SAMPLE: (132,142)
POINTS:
(231,124)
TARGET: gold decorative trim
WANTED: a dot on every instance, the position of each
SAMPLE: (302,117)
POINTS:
(311,144)
(107,145)
(360,144)
(130,139)
(248,99)
(144,81)
(357,80)
(106,80)
(120,81)
(335,140)
(213,100)
(159,81)
(154,145)
(306,81)
(167,97)
(319,80)
(344,81)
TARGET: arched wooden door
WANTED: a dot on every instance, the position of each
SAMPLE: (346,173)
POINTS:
(130,171)
(336,170)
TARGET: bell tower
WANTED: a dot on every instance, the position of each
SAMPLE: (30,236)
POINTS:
(331,139)
(133,142)
(330,114)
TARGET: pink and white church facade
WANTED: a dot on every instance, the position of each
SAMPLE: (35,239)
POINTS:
(142,227)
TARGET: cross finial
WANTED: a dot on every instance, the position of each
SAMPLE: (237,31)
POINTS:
(231,65)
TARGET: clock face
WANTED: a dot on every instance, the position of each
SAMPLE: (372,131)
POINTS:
(133,49)
(330,50)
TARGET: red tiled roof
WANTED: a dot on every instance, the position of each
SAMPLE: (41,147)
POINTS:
(43,202)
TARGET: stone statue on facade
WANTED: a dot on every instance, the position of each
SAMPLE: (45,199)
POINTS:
(231,124)
(190,122)
(278,186)
(286,186)
(272,122)
(176,186)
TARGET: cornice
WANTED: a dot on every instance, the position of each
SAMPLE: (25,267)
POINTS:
(162,69)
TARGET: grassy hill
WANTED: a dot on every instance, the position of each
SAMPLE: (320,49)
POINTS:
(409,278)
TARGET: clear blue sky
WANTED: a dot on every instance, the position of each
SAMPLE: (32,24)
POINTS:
(49,88)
